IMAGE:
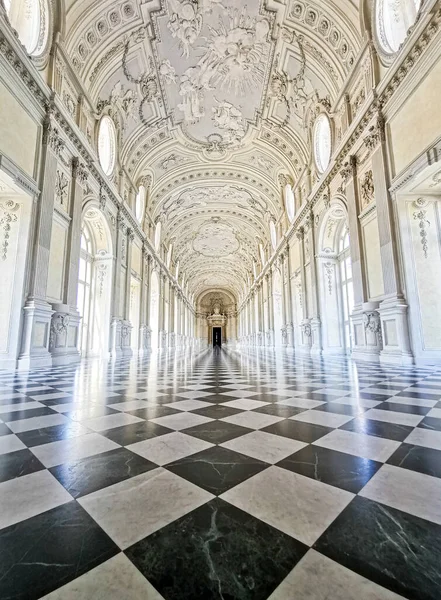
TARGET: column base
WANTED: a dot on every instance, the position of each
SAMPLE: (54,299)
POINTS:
(64,335)
(36,335)
(395,332)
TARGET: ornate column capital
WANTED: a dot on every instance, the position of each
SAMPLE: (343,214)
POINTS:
(79,171)
(300,233)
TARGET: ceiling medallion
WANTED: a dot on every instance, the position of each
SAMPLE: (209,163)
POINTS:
(215,239)
(216,83)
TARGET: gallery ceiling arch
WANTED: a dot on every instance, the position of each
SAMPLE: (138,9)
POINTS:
(210,99)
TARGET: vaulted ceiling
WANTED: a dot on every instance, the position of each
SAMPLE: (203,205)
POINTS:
(212,97)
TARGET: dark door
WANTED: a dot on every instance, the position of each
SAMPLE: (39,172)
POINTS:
(217,336)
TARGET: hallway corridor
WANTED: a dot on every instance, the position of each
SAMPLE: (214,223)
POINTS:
(223,475)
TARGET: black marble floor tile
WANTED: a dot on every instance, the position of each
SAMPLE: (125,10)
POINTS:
(391,431)
(18,415)
(341,470)
(17,464)
(45,552)
(279,410)
(56,401)
(6,399)
(395,549)
(217,469)
(153,412)
(431,423)
(410,409)
(96,472)
(341,409)
(420,395)
(4,429)
(417,458)
(217,432)
(216,552)
(426,384)
(216,411)
(136,432)
(46,435)
(296,430)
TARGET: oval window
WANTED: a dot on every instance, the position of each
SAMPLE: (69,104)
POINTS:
(322,142)
(393,19)
(30,19)
(273,234)
(289,202)
(107,145)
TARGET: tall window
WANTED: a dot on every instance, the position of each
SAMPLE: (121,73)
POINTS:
(322,142)
(289,202)
(393,19)
(84,287)
(140,203)
(30,18)
(347,286)
(107,145)
(273,234)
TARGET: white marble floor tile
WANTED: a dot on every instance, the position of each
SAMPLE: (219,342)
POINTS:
(129,405)
(317,577)
(37,423)
(110,421)
(169,447)
(358,444)
(48,396)
(357,402)
(389,416)
(133,509)
(406,490)
(253,420)
(6,408)
(181,420)
(114,579)
(72,449)
(193,395)
(425,437)
(245,404)
(10,443)
(301,402)
(30,495)
(319,417)
(264,446)
(299,506)
(188,404)
(149,395)
(435,413)
(240,394)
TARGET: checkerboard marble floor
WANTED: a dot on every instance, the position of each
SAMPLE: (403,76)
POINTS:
(224,475)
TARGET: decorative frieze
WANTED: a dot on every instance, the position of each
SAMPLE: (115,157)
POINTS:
(8,216)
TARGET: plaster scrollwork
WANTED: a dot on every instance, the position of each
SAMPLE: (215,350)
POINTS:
(423,223)
(59,326)
(52,138)
(306,329)
(61,188)
(372,323)
(101,275)
(8,215)
(329,273)
(367,188)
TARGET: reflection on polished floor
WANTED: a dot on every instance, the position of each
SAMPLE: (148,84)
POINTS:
(222,475)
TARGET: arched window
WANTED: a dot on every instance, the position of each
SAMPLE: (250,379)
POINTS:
(273,234)
(347,286)
(85,287)
(140,203)
(158,236)
(30,18)
(393,19)
(107,145)
(322,142)
(289,202)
